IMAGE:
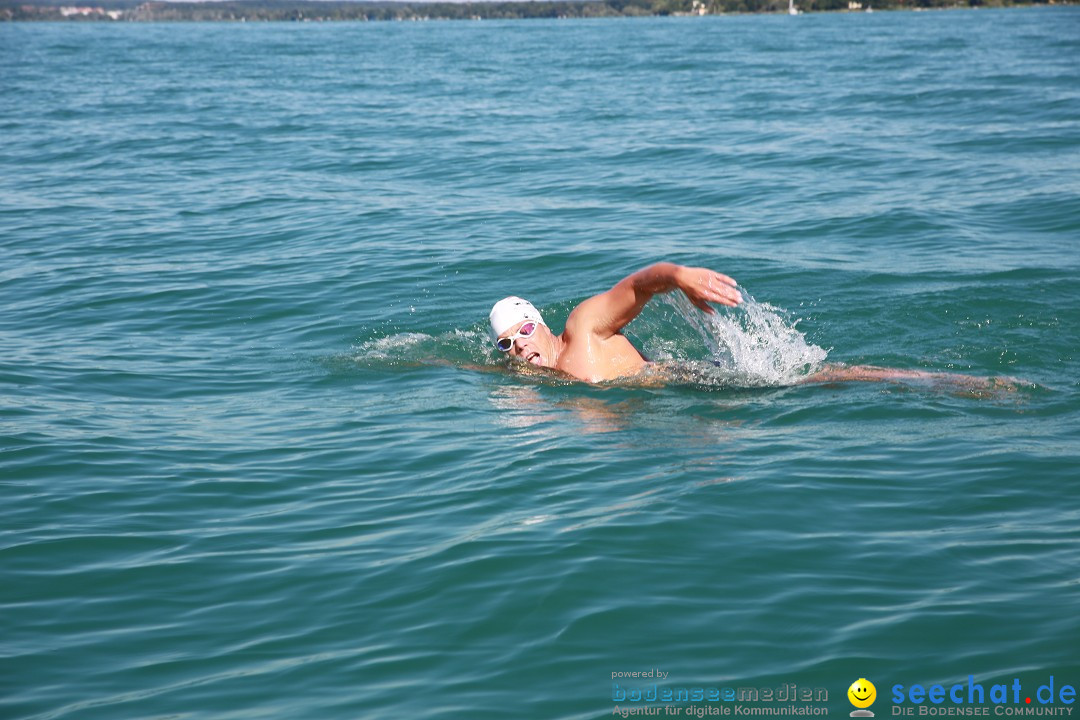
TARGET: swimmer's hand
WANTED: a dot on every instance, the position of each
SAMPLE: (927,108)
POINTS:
(703,286)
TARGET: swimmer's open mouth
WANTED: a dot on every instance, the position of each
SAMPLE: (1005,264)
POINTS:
(533,358)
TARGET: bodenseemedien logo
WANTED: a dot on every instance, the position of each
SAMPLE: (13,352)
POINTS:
(862,694)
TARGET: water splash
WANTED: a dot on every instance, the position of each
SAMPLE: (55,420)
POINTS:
(392,347)
(753,345)
(456,347)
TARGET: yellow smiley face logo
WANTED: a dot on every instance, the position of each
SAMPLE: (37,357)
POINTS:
(862,693)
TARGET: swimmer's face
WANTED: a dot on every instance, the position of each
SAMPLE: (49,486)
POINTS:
(537,349)
(862,693)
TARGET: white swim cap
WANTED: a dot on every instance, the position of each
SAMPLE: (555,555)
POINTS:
(508,312)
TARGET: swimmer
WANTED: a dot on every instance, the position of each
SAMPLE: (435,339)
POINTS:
(592,347)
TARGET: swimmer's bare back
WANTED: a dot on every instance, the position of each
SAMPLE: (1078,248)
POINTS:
(828,375)
(873,373)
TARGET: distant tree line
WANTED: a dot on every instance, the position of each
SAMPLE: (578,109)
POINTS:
(326,10)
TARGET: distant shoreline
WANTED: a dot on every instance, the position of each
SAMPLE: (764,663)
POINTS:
(361,11)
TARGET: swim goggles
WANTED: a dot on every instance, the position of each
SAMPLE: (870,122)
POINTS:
(526,330)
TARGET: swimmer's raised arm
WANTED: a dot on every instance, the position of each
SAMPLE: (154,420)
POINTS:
(607,313)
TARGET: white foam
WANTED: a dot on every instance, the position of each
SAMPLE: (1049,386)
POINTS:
(393,346)
(753,345)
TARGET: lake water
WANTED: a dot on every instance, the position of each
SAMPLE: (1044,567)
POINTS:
(258,460)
